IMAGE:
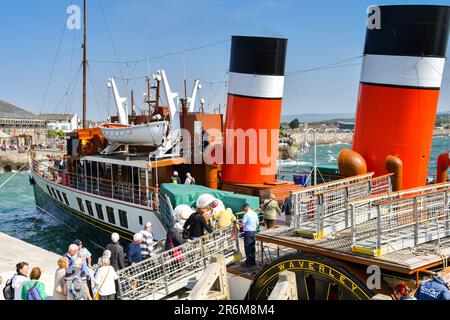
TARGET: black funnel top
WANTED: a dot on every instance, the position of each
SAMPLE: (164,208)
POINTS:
(258,55)
(410,30)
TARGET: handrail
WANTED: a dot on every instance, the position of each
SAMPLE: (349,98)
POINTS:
(402,222)
(114,189)
(329,211)
(395,194)
(167,272)
(352,184)
(336,182)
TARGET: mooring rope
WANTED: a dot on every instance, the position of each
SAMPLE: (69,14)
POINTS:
(63,223)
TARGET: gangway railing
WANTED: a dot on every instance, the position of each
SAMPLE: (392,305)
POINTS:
(401,223)
(305,203)
(362,210)
(331,212)
(172,270)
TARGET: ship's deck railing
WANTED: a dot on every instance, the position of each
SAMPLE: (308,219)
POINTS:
(385,226)
(327,210)
(169,271)
(305,203)
(99,186)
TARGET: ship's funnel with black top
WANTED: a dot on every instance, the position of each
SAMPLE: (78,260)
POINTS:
(401,78)
(255,92)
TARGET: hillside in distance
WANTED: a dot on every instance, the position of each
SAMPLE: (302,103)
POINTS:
(314,117)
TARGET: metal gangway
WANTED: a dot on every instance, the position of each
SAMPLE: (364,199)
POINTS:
(329,209)
(400,220)
(165,273)
(305,203)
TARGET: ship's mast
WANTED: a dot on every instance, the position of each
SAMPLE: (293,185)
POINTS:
(84,65)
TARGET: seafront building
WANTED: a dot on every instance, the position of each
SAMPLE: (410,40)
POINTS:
(19,126)
(61,122)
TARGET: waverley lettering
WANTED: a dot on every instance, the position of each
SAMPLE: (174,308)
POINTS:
(196,311)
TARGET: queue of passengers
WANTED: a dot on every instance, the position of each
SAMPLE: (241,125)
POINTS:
(76,277)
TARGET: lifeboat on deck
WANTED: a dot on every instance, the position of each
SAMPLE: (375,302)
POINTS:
(148,134)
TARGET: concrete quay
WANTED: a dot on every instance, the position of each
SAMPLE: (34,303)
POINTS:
(13,251)
(12,160)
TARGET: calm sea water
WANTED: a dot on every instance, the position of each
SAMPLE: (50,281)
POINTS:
(20,219)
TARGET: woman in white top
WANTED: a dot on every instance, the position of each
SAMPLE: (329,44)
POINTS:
(19,279)
(58,287)
(105,278)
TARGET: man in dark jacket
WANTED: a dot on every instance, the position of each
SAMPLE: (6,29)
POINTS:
(175,178)
(134,250)
(435,288)
(196,225)
(117,256)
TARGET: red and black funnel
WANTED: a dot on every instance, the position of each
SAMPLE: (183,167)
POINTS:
(399,90)
(255,93)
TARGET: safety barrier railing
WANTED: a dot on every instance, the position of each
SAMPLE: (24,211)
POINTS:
(331,213)
(401,223)
(362,210)
(305,203)
(169,271)
(103,187)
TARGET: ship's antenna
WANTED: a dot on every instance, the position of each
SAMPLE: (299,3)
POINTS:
(149,100)
(84,64)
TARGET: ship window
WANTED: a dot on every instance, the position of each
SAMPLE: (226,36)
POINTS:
(49,190)
(80,204)
(123,219)
(99,211)
(141,221)
(111,216)
(65,199)
(89,207)
(59,196)
(53,193)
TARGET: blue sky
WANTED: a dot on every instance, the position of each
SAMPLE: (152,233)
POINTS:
(320,32)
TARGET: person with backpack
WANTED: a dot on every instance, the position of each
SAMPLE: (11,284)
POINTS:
(13,286)
(75,282)
(34,289)
(72,254)
(270,210)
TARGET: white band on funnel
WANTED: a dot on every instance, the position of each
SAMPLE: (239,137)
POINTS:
(417,72)
(256,86)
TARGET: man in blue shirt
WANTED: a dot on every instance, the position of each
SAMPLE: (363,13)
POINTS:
(435,288)
(249,223)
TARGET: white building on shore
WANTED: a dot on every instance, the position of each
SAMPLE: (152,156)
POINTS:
(61,122)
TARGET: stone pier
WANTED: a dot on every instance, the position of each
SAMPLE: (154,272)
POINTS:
(13,251)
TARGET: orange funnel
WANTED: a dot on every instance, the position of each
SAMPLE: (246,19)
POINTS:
(400,82)
(255,92)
